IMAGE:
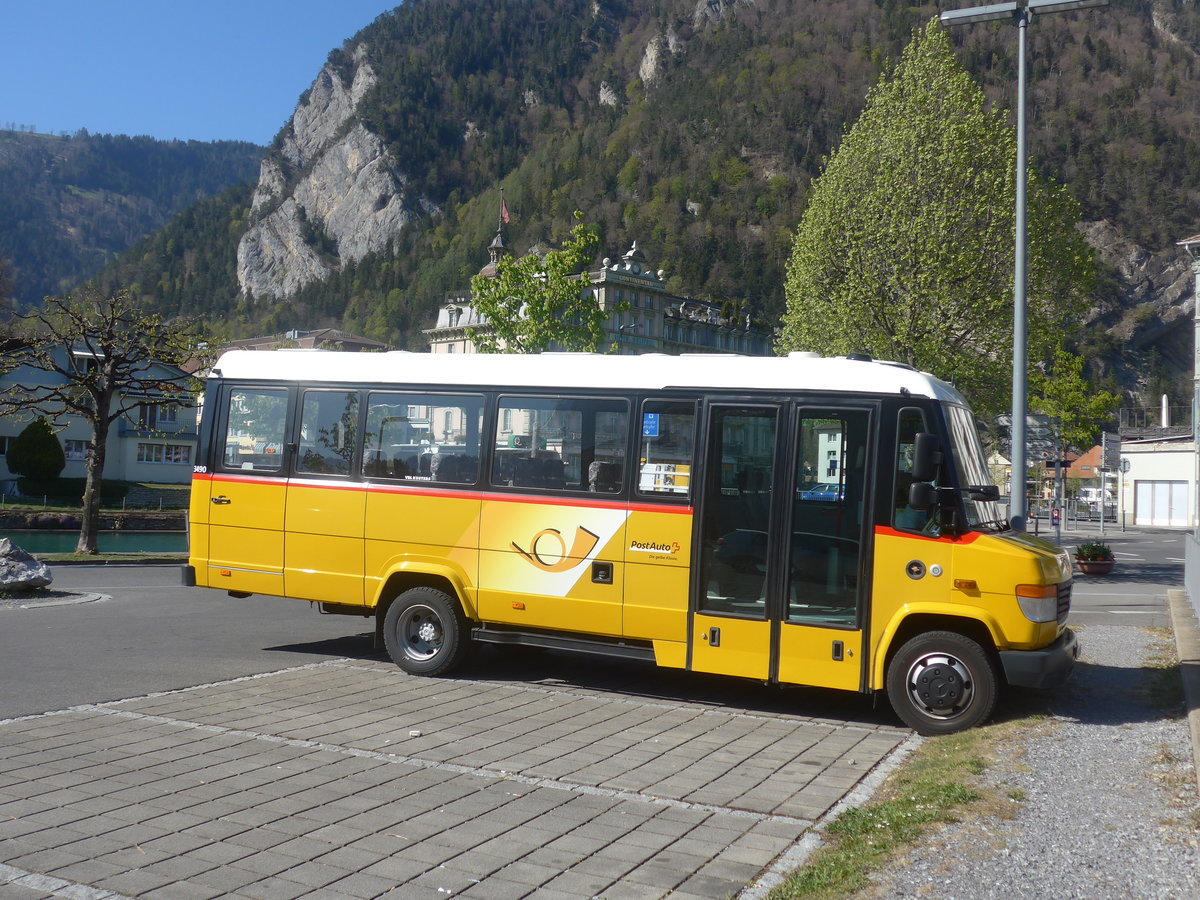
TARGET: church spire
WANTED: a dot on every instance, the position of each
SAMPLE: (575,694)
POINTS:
(497,249)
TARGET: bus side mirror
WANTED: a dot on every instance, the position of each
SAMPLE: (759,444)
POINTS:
(922,496)
(984,492)
(927,456)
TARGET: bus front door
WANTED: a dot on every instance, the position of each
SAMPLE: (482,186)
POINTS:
(778,590)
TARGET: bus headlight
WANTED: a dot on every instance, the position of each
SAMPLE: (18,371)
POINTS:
(1038,602)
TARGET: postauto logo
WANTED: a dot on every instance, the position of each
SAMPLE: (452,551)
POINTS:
(548,549)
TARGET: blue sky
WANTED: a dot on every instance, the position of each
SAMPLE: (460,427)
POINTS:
(209,70)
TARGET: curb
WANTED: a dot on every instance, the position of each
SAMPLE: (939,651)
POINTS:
(71,599)
(1187,644)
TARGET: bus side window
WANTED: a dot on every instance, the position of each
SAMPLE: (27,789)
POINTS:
(422,437)
(254,429)
(665,451)
(911,423)
(561,444)
(328,432)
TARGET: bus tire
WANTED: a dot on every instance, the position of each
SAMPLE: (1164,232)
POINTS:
(942,682)
(425,632)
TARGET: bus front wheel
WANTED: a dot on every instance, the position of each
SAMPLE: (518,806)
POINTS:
(941,682)
(425,632)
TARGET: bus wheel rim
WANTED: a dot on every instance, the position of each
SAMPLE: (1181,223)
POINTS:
(940,685)
(420,632)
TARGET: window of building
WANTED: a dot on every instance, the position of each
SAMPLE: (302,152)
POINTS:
(173,454)
(75,449)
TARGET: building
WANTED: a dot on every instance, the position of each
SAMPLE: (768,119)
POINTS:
(319,338)
(656,320)
(150,443)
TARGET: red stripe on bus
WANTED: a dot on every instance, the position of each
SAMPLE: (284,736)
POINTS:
(428,490)
(969,538)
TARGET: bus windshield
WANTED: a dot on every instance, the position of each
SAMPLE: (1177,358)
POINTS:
(970,467)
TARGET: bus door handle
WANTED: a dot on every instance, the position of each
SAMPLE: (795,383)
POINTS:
(222,500)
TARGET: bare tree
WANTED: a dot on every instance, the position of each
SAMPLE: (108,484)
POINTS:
(104,356)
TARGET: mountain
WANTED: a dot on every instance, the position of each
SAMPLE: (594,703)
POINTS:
(72,204)
(692,126)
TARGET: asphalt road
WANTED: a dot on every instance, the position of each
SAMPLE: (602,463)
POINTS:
(1149,563)
(152,634)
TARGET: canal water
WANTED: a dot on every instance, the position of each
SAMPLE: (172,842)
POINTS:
(41,541)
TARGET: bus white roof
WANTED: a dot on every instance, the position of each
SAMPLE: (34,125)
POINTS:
(565,371)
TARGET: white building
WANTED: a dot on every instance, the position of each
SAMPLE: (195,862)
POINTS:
(656,321)
(1160,484)
(150,443)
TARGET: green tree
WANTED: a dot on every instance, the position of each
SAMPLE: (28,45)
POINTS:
(905,250)
(100,356)
(36,452)
(1062,391)
(535,302)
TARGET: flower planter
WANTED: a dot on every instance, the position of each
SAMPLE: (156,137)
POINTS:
(1095,566)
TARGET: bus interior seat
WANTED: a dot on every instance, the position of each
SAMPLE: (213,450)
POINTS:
(374,463)
(526,472)
(554,474)
(455,467)
(604,477)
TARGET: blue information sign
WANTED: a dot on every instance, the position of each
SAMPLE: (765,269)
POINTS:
(649,424)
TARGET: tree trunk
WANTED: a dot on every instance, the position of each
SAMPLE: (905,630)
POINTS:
(89,527)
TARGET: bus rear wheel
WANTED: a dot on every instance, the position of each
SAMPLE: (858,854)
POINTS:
(425,632)
(942,682)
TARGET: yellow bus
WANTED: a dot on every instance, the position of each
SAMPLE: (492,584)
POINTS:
(794,520)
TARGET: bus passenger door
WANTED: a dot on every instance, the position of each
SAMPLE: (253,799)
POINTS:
(783,509)
(821,632)
(730,630)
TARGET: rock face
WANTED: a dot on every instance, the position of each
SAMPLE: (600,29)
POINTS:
(19,571)
(1159,298)
(330,195)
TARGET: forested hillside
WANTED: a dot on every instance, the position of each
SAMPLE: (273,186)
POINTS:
(692,127)
(71,204)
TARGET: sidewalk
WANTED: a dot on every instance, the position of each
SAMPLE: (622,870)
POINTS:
(349,779)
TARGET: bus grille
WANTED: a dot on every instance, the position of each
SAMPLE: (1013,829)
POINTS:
(1064,602)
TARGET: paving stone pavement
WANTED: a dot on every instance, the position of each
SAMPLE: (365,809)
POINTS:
(348,779)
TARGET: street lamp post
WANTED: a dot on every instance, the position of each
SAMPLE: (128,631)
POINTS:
(1019,12)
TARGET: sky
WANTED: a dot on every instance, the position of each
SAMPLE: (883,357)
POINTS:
(202,70)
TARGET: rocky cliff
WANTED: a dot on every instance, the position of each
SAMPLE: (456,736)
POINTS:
(329,194)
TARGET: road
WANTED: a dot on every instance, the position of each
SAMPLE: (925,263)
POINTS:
(152,634)
(149,634)
(1149,563)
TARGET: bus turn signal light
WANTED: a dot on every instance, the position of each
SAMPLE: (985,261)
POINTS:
(1038,602)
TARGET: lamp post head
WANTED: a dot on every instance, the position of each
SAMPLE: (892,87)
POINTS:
(1191,245)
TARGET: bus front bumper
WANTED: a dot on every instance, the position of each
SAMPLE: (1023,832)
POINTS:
(1045,668)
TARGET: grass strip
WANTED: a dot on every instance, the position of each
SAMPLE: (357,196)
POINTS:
(930,789)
